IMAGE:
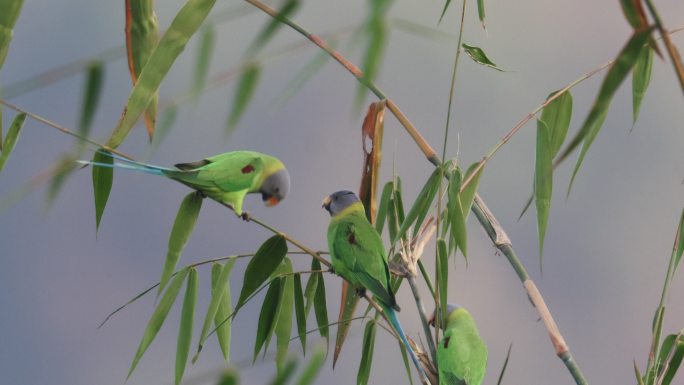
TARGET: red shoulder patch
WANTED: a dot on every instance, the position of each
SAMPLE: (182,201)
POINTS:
(446,342)
(247,169)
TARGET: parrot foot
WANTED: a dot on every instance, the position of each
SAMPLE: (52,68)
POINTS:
(200,194)
(245,216)
(361,292)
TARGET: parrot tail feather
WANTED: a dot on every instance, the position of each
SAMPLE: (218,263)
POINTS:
(129,166)
(392,317)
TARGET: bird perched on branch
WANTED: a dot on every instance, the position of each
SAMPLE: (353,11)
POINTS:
(358,255)
(226,177)
(461,354)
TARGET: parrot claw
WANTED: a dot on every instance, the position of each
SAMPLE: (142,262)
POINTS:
(361,292)
(200,194)
(245,216)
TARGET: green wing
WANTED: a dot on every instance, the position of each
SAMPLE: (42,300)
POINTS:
(232,171)
(360,252)
(461,356)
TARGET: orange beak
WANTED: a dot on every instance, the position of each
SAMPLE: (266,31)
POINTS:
(272,201)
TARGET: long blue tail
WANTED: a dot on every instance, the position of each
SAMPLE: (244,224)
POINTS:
(392,317)
(128,164)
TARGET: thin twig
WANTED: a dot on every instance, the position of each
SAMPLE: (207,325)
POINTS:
(671,49)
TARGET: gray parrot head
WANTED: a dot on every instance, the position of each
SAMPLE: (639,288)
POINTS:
(339,201)
(451,307)
(275,187)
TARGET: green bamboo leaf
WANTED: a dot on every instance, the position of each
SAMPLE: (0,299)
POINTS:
(284,375)
(481,12)
(637,374)
(0,130)
(11,139)
(348,302)
(228,377)
(442,276)
(158,316)
(382,207)
(206,48)
(398,200)
(185,330)
(180,233)
(287,10)
(225,308)
(468,193)
(265,261)
(142,36)
(641,77)
(543,181)
(300,312)
(102,183)
(675,360)
(183,26)
(320,306)
(377,40)
(311,285)
(166,121)
(218,290)
(634,13)
(616,74)
(283,325)
(311,370)
(243,94)
(457,215)
(66,165)
(680,242)
(366,354)
(421,205)
(479,56)
(8,17)
(446,6)
(556,115)
(91,96)
(267,316)
(405,358)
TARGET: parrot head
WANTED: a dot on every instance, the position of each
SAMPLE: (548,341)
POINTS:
(450,309)
(339,201)
(275,187)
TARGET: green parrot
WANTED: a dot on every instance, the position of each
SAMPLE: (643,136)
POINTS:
(358,255)
(461,355)
(226,177)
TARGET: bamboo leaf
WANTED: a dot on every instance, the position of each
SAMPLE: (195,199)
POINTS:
(267,316)
(468,193)
(158,316)
(457,215)
(616,74)
(218,290)
(505,364)
(265,261)
(348,302)
(556,115)
(8,17)
(206,48)
(320,306)
(634,13)
(675,360)
(171,44)
(91,96)
(300,312)
(543,181)
(679,250)
(180,233)
(377,40)
(382,207)
(442,276)
(12,137)
(284,375)
(287,10)
(283,325)
(446,6)
(481,12)
(225,308)
(142,36)
(637,374)
(310,289)
(366,354)
(229,377)
(166,121)
(102,183)
(421,205)
(311,370)
(243,94)
(185,330)
(641,77)
(479,56)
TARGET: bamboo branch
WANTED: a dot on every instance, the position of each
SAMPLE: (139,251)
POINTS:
(671,49)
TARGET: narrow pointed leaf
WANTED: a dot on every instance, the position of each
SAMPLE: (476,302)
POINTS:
(284,375)
(320,305)
(260,267)
(243,94)
(185,330)
(142,36)
(446,6)
(206,48)
(556,115)
(382,207)
(421,205)
(505,364)
(479,56)
(166,121)
(641,77)
(180,233)
(616,74)
(217,292)
(311,370)
(66,165)
(1,140)
(637,374)
(543,181)
(634,13)
(157,320)
(283,326)
(225,308)
(481,12)
(680,242)
(348,303)
(229,377)
(468,192)
(171,44)
(267,315)
(269,30)
(372,57)
(102,183)
(8,17)
(310,290)
(91,96)
(11,139)
(300,312)
(675,360)
(457,215)
(442,276)
(366,354)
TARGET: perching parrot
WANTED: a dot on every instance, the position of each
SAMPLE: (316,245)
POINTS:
(358,255)
(226,177)
(461,355)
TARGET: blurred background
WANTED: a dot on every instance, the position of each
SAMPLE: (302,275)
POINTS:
(607,245)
